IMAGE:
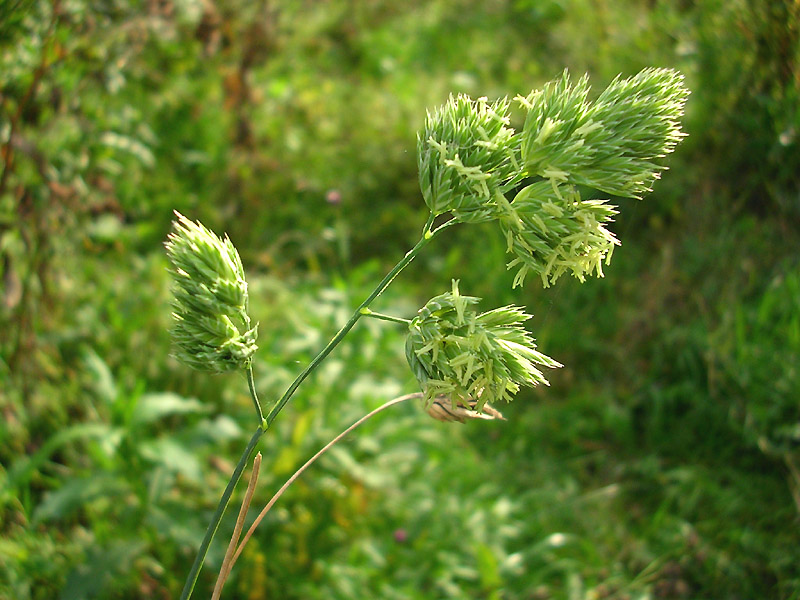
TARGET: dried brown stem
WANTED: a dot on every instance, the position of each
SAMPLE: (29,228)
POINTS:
(310,462)
(227,563)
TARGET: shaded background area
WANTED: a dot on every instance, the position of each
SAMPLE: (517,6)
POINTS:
(664,460)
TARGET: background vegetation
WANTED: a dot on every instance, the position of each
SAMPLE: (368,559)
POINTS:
(664,461)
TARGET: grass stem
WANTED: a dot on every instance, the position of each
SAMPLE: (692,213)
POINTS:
(427,235)
(191,580)
(227,563)
(310,462)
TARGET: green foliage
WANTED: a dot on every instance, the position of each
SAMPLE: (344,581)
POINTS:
(747,54)
(757,349)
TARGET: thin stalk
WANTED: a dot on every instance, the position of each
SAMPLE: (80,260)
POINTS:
(227,563)
(427,236)
(380,316)
(310,462)
(252,385)
(191,580)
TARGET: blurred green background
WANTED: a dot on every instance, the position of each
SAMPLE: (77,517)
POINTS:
(663,461)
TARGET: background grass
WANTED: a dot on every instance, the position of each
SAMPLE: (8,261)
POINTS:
(661,463)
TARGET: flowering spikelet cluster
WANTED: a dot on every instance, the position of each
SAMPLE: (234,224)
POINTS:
(609,144)
(472,358)
(466,155)
(211,328)
(552,231)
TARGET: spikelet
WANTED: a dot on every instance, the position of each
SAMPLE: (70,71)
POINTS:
(472,358)
(467,157)
(211,330)
(611,145)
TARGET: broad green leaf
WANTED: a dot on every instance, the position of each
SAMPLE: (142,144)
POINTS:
(76,493)
(152,407)
(173,456)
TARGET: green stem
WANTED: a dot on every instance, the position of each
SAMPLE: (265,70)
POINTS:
(191,580)
(252,385)
(375,315)
(427,236)
(310,462)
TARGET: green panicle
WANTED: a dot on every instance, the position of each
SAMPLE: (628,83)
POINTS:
(211,330)
(610,144)
(551,231)
(467,156)
(473,358)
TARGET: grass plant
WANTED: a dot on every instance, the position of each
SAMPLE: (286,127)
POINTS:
(471,163)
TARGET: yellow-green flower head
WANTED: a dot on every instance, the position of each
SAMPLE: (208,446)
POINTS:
(467,156)
(211,330)
(610,145)
(552,231)
(472,358)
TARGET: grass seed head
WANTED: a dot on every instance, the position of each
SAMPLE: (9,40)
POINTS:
(472,358)
(467,156)
(611,144)
(211,329)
